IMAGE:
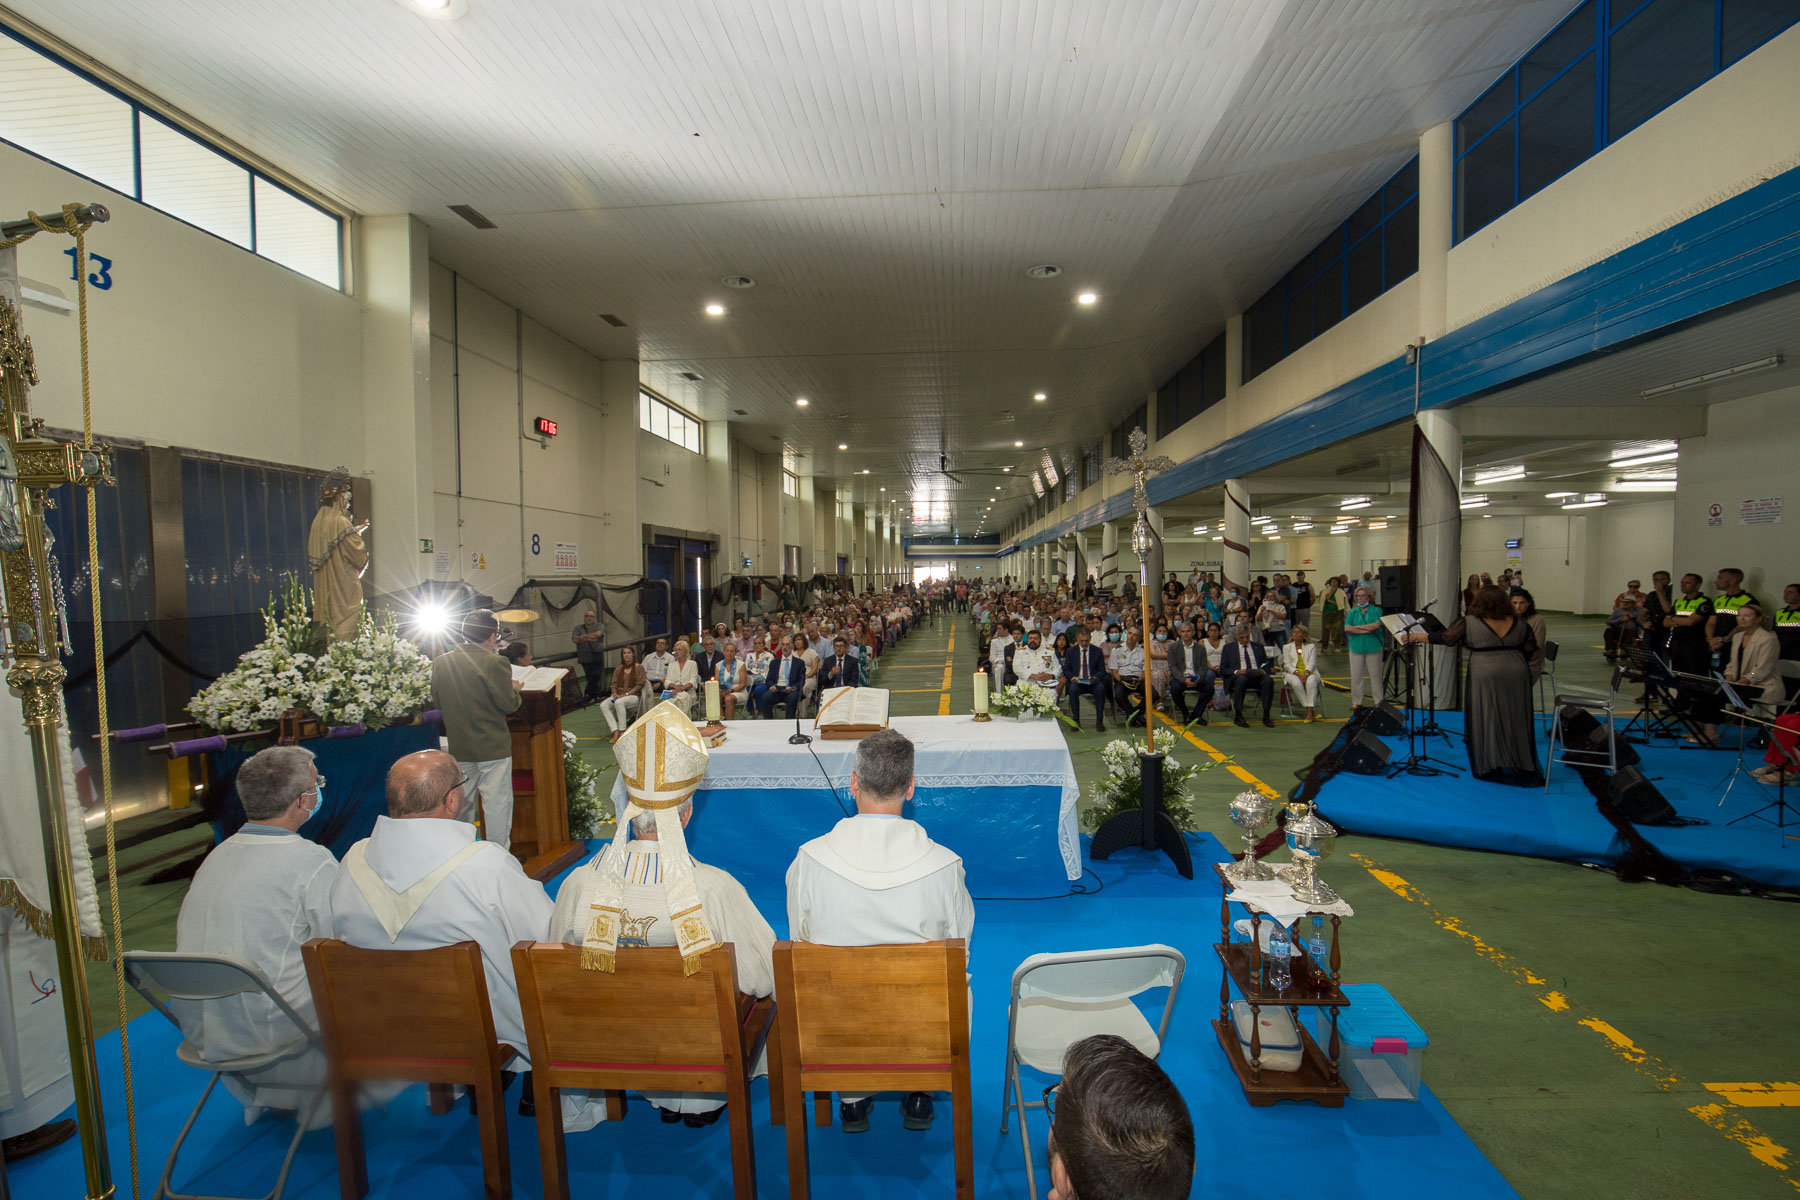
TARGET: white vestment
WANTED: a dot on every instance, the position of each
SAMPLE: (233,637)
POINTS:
(487,898)
(259,896)
(730,916)
(875,881)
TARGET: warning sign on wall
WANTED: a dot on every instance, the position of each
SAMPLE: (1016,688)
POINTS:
(567,560)
(1766,511)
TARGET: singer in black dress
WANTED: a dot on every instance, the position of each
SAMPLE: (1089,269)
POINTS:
(1497,706)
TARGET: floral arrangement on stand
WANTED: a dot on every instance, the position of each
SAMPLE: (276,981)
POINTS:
(589,805)
(1027,700)
(1121,789)
(375,680)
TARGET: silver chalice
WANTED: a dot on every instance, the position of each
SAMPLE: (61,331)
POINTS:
(1250,811)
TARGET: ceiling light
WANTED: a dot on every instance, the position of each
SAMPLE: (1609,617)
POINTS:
(1500,475)
(1588,500)
(1040,396)
(996,487)
(1339,529)
(438,10)
(1639,460)
(1761,364)
(1274,537)
(864,471)
(1217,538)
(1644,485)
(715,310)
(1475,501)
(1559,495)
(1353,502)
(1003,469)
(884,489)
(802,402)
(843,446)
(1086,298)
(1018,443)
(1302,527)
(1371,525)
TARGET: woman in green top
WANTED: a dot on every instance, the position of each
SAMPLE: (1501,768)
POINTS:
(1363,625)
(1332,606)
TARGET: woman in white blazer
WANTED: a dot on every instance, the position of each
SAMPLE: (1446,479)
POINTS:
(1300,669)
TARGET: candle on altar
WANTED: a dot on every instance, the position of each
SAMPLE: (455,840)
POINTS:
(981,691)
(712,701)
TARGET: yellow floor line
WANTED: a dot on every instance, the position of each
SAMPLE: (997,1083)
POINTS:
(1757,1095)
(1714,1116)
(949,666)
(1220,757)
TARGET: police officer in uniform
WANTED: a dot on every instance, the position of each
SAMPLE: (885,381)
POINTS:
(1787,632)
(1731,597)
(1687,626)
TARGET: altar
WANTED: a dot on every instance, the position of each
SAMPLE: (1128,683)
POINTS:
(1001,794)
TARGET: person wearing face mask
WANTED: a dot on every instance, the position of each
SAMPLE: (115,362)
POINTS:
(1158,652)
(260,894)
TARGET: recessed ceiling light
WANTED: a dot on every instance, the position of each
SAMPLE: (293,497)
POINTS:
(1003,469)
(738,281)
(1040,396)
(884,489)
(843,446)
(715,310)
(864,471)
(438,10)
(1086,298)
(1043,271)
(1018,443)
(996,487)
(802,402)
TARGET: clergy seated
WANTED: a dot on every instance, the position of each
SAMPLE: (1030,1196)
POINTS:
(259,895)
(644,921)
(422,880)
(878,879)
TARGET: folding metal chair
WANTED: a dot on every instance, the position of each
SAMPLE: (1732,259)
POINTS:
(1059,999)
(1546,684)
(160,978)
(1606,705)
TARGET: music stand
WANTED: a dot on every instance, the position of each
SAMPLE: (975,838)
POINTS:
(1654,672)
(1741,711)
(1417,761)
(1779,803)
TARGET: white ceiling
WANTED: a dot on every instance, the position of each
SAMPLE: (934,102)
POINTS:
(886,170)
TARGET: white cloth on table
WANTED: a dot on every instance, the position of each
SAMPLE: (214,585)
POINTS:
(730,916)
(487,899)
(492,782)
(259,896)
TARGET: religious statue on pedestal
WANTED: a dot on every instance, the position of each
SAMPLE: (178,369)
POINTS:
(339,557)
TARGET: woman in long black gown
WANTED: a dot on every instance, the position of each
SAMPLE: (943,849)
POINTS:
(1497,709)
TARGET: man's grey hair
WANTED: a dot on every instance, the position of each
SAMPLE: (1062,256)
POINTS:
(272,779)
(884,765)
(644,824)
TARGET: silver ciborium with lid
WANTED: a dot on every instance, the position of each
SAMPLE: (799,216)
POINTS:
(1309,838)
(1250,811)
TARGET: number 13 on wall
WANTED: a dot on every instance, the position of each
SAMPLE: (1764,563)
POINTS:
(100,278)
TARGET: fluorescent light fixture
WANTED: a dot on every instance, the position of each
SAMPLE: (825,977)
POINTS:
(1559,495)
(843,446)
(1475,500)
(1199,529)
(1644,485)
(1354,502)
(1339,529)
(1274,537)
(1640,460)
(1377,525)
(1217,538)
(1588,500)
(1302,526)
(1500,475)
(1761,364)
(1003,469)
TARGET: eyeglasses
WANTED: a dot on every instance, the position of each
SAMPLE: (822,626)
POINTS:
(319,784)
(454,788)
(1050,1101)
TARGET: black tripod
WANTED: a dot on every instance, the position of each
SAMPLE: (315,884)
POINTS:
(1417,761)
(1149,827)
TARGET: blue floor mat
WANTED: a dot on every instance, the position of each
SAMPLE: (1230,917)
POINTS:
(1365,1149)
(1458,810)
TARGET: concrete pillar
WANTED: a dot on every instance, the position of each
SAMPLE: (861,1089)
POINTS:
(1437,565)
(1436,197)
(397,427)
(1110,579)
(1154,563)
(1234,557)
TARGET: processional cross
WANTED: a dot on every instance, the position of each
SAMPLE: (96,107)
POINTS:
(1143,540)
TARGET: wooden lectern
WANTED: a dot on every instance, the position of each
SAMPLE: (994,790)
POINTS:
(540,828)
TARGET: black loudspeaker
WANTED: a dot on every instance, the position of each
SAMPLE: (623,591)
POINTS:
(1637,799)
(1582,732)
(1394,581)
(1366,754)
(1385,721)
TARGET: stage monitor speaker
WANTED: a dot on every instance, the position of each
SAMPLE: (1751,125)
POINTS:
(1583,732)
(1366,754)
(1394,582)
(1638,800)
(1385,721)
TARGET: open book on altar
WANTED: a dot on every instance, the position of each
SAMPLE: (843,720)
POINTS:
(851,712)
(538,679)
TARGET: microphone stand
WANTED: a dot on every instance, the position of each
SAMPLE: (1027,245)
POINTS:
(1431,727)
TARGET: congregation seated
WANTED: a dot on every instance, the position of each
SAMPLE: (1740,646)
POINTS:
(878,879)
(788,677)
(1300,670)
(1118,1126)
(1085,672)
(683,678)
(260,894)
(632,888)
(422,880)
(839,669)
(1245,664)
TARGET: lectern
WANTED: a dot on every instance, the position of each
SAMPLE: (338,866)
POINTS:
(540,830)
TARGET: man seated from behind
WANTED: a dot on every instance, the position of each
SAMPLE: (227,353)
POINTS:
(421,880)
(877,879)
(258,897)
(1118,1126)
(625,894)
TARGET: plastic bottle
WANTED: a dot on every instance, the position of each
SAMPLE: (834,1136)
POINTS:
(1318,945)
(1281,944)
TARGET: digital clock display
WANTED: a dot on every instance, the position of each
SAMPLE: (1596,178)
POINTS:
(546,426)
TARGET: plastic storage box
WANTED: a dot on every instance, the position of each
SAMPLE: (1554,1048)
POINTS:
(1382,1054)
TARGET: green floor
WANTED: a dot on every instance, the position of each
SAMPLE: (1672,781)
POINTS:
(1576,1022)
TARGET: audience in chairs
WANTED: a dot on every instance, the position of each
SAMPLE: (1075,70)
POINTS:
(1118,1126)
(1245,664)
(1300,670)
(1084,670)
(628,682)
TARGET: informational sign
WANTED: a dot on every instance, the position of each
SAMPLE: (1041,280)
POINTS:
(567,559)
(1715,515)
(424,545)
(1766,511)
(440,563)
(1514,543)
(477,561)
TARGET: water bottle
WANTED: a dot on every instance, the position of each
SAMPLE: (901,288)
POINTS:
(1281,945)
(1318,945)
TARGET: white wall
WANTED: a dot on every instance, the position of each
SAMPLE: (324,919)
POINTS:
(1576,562)
(1750,452)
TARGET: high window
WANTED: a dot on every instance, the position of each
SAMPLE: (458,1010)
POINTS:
(658,416)
(60,113)
(1609,67)
(1193,389)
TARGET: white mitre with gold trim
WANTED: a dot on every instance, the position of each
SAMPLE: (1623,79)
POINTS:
(662,759)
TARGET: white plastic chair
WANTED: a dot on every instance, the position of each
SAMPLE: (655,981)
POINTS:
(163,977)
(1059,999)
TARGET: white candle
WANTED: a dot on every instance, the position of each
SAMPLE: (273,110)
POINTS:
(981,691)
(712,700)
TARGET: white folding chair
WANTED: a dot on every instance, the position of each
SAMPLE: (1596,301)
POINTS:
(1585,756)
(164,977)
(1058,999)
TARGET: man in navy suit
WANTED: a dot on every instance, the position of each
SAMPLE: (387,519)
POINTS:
(708,658)
(787,682)
(1189,672)
(1243,665)
(838,669)
(1084,667)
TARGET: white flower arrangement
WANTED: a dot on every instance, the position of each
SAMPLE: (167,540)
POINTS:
(377,679)
(1121,788)
(1018,699)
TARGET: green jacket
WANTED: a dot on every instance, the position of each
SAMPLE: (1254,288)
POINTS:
(474,687)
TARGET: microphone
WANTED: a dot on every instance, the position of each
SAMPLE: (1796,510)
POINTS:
(1427,607)
(798,738)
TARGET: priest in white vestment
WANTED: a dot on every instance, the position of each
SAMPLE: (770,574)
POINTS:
(626,894)
(258,897)
(36,1084)
(422,880)
(878,879)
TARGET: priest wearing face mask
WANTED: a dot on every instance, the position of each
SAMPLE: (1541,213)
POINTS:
(260,894)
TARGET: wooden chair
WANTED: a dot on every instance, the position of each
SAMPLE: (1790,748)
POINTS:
(417,1015)
(644,1026)
(872,1019)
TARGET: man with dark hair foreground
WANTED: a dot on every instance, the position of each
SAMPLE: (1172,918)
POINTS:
(1118,1128)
